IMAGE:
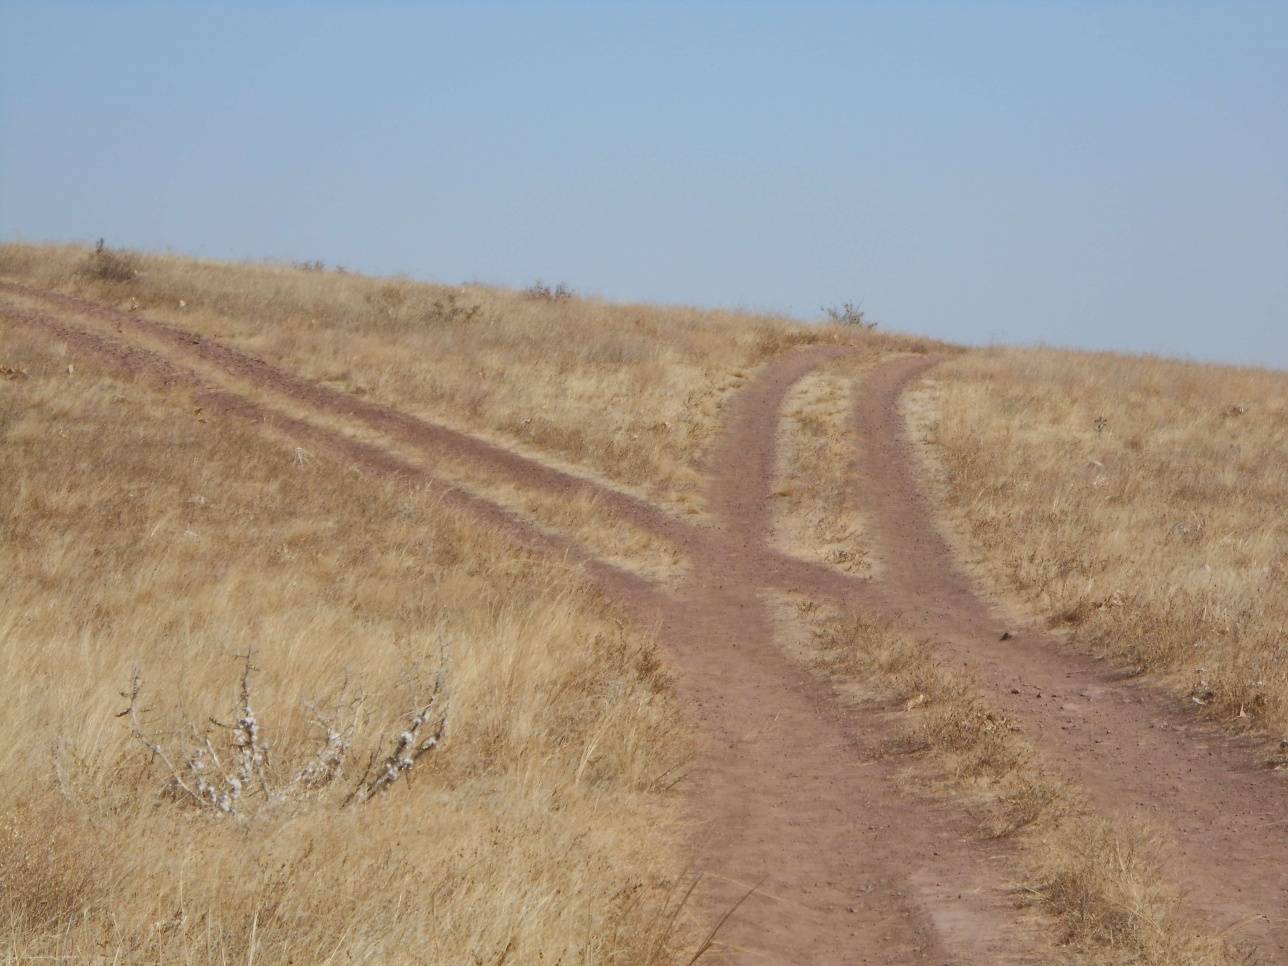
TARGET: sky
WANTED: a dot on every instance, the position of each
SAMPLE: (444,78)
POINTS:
(1110,176)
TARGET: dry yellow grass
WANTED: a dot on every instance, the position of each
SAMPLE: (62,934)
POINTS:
(579,517)
(1101,882)
(139,534)
(1140,503)
(817,507)
(632,394)
(134,533)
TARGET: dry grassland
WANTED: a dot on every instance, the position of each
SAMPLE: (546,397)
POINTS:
(577,516)
(141,536)
(1139,503)
(135,534)
(629,394)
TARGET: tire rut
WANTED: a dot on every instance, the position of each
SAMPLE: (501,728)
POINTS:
(434,439)
(132,362)
(1129,744)
(797,794)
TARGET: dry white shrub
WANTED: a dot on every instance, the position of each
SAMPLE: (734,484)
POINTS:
(200,777)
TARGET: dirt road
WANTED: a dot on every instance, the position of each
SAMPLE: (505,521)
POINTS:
(792,796)
(1137,751)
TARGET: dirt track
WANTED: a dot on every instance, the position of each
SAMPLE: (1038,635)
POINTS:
(1134,749)
(791,794)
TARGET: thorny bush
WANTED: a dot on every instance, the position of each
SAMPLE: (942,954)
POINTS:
(225,782)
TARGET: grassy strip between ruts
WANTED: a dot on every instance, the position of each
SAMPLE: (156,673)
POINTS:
(1099,881)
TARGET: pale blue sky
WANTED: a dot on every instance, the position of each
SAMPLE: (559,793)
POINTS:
(1100,175)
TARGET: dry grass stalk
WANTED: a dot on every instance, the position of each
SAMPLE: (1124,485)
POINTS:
(409,746)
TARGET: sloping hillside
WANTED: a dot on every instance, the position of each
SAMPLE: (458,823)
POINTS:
(358,618)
